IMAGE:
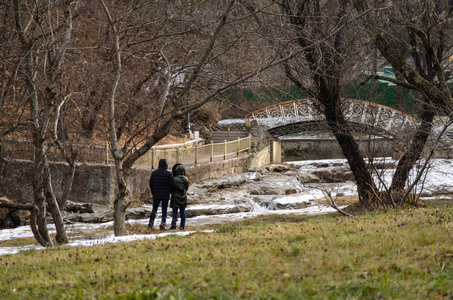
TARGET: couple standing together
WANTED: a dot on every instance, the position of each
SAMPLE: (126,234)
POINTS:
(162,183)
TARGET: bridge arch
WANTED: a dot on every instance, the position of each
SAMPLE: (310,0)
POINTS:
(302,115)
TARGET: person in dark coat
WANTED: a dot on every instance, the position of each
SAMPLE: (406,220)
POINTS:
(179,199)
(161,184)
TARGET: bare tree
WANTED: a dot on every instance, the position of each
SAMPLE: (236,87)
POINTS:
(42,31)
(188,49)
(415,38)
(324,68)
(411,35)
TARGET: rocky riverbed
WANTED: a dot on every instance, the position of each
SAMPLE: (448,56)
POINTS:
(276,188)
(271,188)
(292,188)
(283,187)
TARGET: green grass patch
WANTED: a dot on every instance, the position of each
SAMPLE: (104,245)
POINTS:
(405,254)
(18,242)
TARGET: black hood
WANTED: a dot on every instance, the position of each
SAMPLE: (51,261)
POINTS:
(174,168)
(163,164)
(179,170)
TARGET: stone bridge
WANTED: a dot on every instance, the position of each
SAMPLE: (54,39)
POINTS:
(303,115)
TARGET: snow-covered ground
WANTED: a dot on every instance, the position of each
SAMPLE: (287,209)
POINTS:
(82,240)
(24,231)
(231,122)
(438,183)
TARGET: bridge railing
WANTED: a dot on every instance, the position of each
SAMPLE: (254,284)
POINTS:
(355,111)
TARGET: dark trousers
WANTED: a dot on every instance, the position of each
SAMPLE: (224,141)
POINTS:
(175,217)
(156,203)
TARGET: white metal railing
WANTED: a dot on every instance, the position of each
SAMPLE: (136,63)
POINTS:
(355,111)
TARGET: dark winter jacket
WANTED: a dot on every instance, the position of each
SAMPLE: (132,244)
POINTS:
(162,182)
(178,198)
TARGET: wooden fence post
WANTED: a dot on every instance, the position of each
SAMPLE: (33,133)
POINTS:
(212,151)
(224,149)
(106,153)
(196,152)
(250,143)
(153,158)
(238,146)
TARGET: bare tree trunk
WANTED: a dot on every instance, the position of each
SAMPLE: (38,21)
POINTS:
(42,171)
(42,183)
(68,186)
(40,202)
(413,154)
(365,184)
(124,162)
(325,62)
(121,200)
(69,157)
(52,41)
(61,236)
(120,204)
(38,144)
(436,96)
(33,215)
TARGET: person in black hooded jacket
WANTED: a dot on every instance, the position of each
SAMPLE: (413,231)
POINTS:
(179,200)
(161,184)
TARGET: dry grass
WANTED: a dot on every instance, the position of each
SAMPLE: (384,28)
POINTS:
(406,254)
(343,200)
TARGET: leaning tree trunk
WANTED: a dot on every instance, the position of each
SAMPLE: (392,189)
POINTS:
(414,152)
(61,236)
(365,184)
